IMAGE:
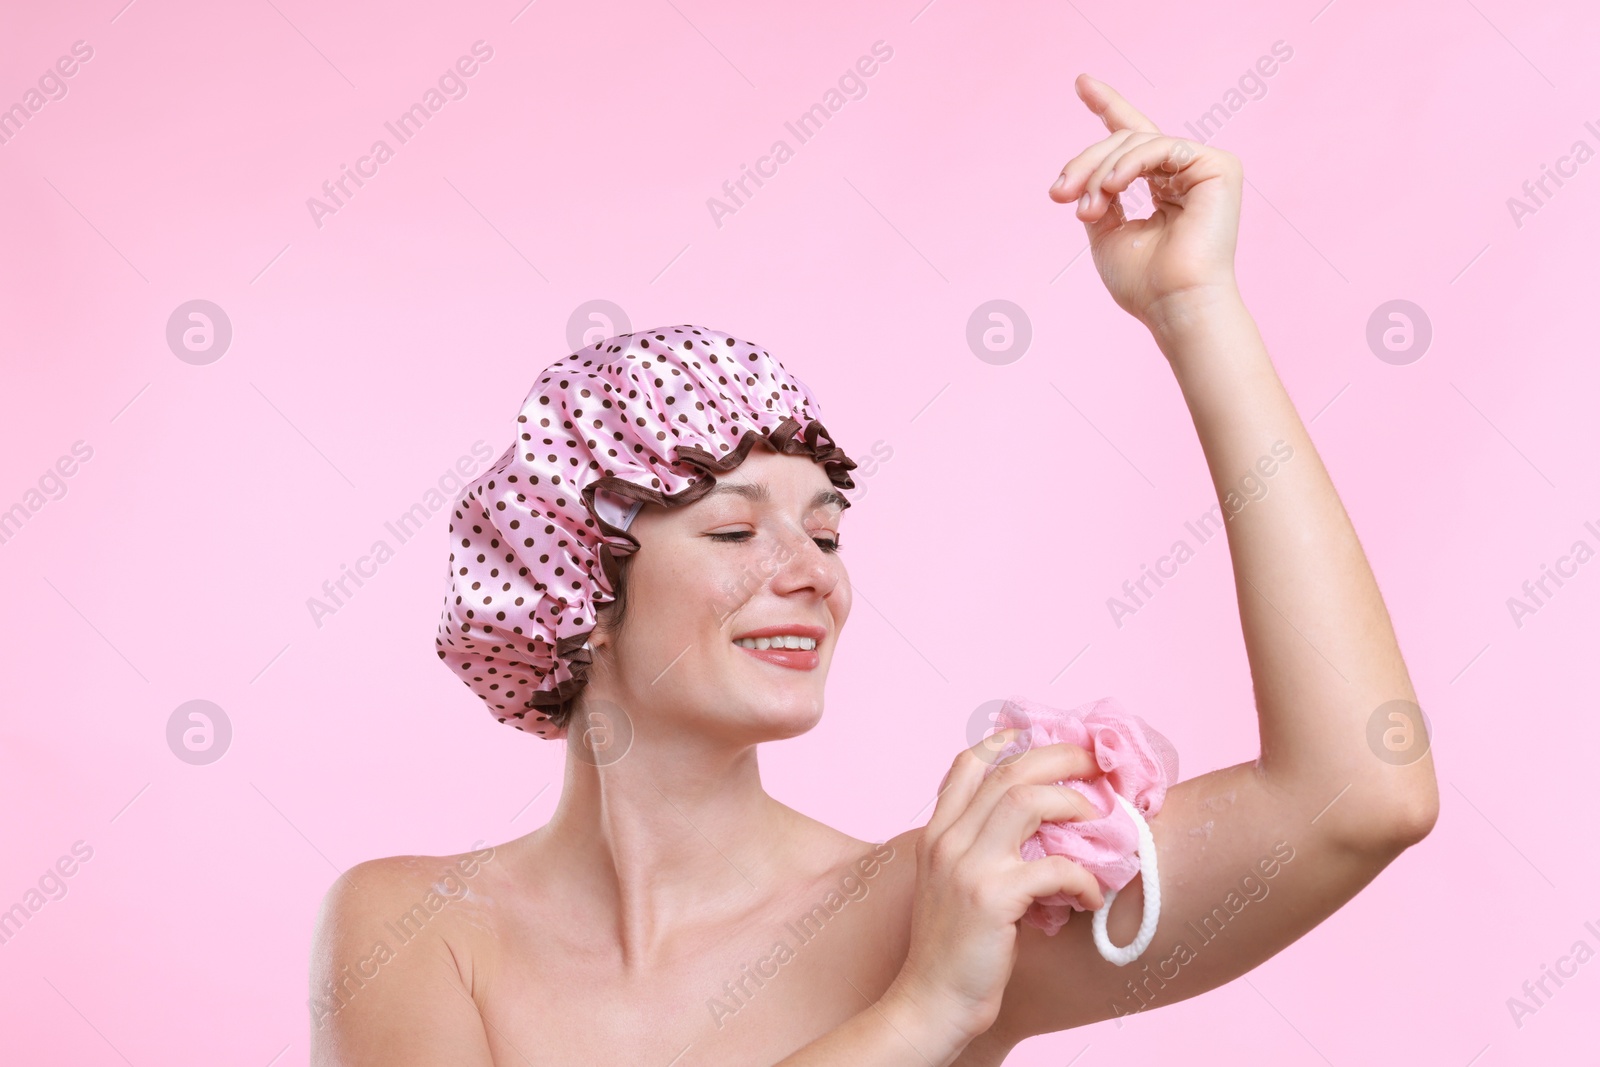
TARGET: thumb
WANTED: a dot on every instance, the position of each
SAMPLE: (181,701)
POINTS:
(1110,219)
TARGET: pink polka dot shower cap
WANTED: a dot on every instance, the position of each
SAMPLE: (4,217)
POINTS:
(645,417)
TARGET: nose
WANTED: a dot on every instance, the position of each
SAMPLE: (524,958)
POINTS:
(805,564)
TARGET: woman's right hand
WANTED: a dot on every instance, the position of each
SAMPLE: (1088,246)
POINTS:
(1183,252)
(973,886)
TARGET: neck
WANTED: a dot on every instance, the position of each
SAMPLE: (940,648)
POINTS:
(664,834)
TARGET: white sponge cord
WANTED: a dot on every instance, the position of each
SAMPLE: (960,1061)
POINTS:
(1126,954)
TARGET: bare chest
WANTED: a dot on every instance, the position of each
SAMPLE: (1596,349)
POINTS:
(744,995)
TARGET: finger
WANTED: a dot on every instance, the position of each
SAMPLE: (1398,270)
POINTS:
(1171,160)
(963,778)
(1110,105)
(1047,763)
(1019,811)
(1094,186)
(1070,185)
(1049,875)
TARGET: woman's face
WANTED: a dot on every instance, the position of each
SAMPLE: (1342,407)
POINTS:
(754,554)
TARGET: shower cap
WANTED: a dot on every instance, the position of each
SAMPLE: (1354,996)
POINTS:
(645,417)
(1138,764)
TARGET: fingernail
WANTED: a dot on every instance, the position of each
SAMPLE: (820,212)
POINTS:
(1083,202)
(1061,183)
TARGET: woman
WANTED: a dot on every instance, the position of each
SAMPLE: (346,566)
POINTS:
(639,924)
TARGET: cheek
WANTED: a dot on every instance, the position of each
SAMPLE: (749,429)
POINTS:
(673,605)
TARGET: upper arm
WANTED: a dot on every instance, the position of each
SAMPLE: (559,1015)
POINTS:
(378,999)
(1244,872)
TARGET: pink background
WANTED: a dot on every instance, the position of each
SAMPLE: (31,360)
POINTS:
(372,352)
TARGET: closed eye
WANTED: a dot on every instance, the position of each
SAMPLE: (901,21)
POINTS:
(827,544)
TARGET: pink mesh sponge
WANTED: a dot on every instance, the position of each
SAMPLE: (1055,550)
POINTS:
(1139,764)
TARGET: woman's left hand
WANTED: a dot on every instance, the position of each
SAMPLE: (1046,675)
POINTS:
(1185,249)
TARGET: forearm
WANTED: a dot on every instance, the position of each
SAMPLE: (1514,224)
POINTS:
(892,1032)
(1322,652)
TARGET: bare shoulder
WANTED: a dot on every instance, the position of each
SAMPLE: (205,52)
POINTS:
(380,886)
(885,870)
(391,958)
(866,859)
(898,857)
(906,841)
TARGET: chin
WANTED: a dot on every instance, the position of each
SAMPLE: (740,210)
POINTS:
(784,718)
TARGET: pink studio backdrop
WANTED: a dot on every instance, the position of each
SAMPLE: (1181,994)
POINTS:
(375,343)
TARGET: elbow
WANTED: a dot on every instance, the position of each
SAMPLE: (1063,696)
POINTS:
(1414,804)
(1412,816)
(1383,822)
(1395,822)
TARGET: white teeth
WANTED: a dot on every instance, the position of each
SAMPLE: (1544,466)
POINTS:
(785,641)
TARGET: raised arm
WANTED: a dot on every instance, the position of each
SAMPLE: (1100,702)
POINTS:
(1252,856)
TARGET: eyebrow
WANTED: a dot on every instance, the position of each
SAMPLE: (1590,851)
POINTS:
(757,492)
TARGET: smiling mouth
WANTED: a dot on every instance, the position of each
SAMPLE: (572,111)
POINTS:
(791,644)
(799,659)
